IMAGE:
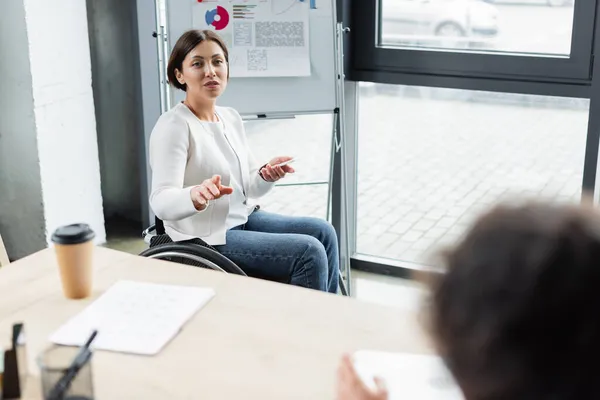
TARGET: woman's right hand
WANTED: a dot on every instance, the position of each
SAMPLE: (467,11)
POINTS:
(210,189)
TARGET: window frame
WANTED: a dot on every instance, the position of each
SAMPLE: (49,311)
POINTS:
(368,56)
(576,76)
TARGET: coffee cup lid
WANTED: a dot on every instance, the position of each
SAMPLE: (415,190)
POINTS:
(73,234)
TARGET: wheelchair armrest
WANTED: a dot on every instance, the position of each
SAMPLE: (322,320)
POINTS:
(149,231)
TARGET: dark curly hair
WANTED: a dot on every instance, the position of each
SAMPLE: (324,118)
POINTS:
(515,314)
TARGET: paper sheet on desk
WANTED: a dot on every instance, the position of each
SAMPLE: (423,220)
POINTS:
(134,317)
(408,376)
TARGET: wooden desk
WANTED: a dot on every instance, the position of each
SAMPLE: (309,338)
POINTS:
(254,340)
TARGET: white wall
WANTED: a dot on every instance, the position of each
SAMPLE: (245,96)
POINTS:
(49,169)
(112,32)
(21,208)
(64,113)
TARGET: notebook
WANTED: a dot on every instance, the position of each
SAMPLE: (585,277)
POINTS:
(408,376)
(134,317)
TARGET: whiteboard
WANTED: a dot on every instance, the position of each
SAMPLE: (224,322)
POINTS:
(274,95)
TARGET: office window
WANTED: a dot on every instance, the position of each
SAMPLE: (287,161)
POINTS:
(308,138)
(546,41)
(431,160)
(523,26)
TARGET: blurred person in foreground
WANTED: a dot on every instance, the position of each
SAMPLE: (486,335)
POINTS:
(514,316)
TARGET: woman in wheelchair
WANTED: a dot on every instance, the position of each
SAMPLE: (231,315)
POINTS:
(204,179)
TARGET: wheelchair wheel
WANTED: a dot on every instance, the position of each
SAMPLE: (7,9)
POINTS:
(195,255)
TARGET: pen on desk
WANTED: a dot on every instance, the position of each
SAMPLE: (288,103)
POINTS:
(83,356)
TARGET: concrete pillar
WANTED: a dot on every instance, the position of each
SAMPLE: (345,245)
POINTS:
(49,169)
(115,77)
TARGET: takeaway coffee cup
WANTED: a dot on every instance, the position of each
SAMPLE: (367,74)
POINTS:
(74,247)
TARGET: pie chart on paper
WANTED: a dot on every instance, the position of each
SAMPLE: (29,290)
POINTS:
(217,17)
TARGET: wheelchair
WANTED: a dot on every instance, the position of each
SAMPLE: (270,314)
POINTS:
(194,252)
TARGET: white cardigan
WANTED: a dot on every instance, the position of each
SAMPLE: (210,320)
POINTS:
(183,154)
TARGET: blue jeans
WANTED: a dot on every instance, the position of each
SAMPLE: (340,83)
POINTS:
(301,251)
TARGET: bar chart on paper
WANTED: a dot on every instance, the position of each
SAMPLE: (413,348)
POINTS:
(266,38)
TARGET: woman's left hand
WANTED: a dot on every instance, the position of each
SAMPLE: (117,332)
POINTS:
(351,387)
(272,172)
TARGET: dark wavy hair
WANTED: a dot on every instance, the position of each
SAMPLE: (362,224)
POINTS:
(186,43)
(515,316)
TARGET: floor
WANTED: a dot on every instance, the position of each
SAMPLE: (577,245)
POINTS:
(384,290)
